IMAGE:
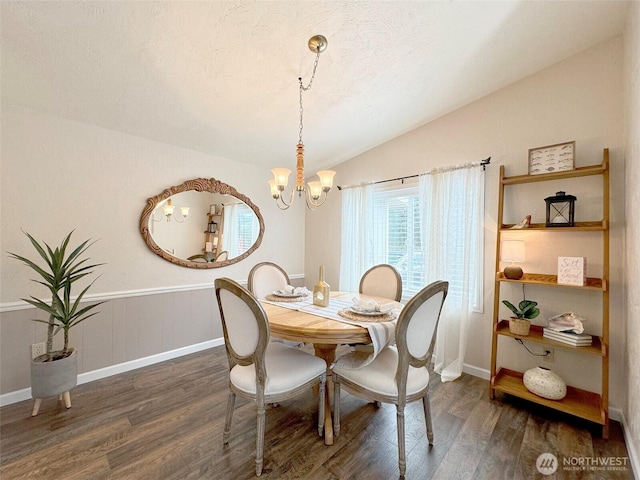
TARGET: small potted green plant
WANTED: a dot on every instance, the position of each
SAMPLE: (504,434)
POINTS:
(55,372)
(524,312)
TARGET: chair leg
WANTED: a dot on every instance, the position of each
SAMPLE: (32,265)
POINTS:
(260,438)
(427,417)
(321,400)
(336,405)
(231,402)
(402,462)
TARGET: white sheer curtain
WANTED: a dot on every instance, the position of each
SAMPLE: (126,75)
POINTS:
(231,231)
(452,232)
(450,204)
(357,212)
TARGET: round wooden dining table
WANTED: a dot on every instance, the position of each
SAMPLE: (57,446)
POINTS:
(325,334)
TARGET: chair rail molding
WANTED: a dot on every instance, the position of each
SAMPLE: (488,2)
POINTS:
(20,305)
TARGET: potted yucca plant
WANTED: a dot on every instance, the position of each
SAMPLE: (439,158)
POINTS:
(55,372)
(524,312)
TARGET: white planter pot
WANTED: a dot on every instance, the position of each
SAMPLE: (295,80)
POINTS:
(544,383)
(54,378)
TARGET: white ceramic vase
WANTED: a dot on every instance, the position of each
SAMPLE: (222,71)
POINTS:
(544,383)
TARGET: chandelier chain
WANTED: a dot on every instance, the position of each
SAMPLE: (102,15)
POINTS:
(313,74)
(304,89)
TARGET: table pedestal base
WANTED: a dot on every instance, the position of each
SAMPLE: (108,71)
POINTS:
(328,353)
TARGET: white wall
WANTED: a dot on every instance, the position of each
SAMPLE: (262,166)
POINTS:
(632,258)
(59,175)
(578,99)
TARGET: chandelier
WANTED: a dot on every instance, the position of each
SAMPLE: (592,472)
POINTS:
(312,191)
(168,210)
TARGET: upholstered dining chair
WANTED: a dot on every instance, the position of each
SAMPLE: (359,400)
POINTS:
(263,371)
(399,373)
(265,277)
(382,280)
(222,256)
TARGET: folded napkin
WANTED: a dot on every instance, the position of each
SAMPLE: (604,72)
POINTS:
(368,305)
(291,290)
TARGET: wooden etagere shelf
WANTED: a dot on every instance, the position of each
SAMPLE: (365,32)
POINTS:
(552,280)
(578,227)
(581,403)
(591,406)
(535,335)
(545,177)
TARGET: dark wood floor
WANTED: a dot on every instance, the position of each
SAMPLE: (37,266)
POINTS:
(165,422)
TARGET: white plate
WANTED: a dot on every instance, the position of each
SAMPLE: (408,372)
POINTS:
(280,293)
(366,313)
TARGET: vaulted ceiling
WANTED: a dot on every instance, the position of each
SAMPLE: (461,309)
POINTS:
(221,77)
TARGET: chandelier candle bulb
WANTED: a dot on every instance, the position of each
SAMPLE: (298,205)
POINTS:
(326,179)
(168,209)
(281,177)
(275,192)
(315,190)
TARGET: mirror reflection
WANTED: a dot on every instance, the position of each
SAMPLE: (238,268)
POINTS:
(202,223)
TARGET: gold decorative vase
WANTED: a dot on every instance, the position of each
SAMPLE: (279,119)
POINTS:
(321,291)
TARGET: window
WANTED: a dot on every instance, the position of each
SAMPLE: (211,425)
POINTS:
(247,228)
(241,229)
(395,234)
(430,228)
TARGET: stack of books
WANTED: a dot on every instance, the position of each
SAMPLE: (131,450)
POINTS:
(568,337)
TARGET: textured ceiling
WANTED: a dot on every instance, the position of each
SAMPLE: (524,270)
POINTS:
(220,77)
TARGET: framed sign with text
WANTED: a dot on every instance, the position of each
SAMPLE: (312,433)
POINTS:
(552,158)
(572,271)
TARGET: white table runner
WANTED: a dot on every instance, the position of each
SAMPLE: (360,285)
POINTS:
(382,333)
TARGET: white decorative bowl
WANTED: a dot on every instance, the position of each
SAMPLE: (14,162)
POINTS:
(544,383)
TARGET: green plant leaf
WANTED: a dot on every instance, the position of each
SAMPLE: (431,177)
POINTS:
(512,307)
(61,271)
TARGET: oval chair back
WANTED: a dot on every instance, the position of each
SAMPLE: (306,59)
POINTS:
(416,330)
(244,324)
(266,277)
(383,281)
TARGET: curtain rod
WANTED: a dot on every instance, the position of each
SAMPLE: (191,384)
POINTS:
(484,163)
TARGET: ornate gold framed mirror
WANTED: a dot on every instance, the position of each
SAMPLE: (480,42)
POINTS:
(202,223)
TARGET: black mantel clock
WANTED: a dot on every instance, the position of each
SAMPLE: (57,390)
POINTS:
(560,210)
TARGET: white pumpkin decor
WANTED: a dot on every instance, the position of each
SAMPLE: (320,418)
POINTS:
(545,383)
